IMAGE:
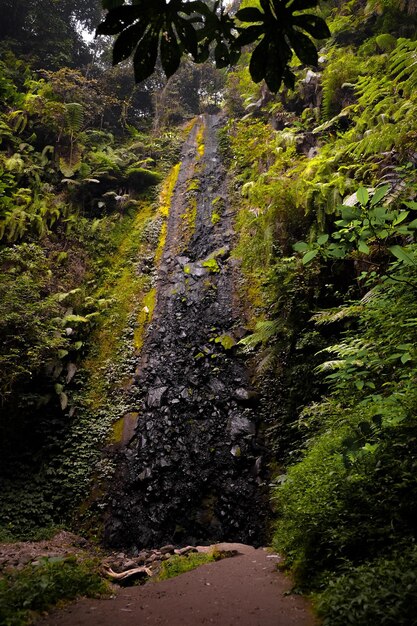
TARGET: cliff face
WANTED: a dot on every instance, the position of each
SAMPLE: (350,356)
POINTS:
(191,469)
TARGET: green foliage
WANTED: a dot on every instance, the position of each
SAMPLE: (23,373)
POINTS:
(30,323)
(346,501)
(381,592)
(177,565)
(344,69)
(338,177)
(36,588)
(211,265)
(365,227)
(178,28)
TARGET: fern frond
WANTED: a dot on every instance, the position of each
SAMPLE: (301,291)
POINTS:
(264,332)
(74,116)
(336,315)
(330,366)
(267,363)
(403,66)
(372,294)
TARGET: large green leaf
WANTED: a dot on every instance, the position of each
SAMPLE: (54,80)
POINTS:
(258,62)
(127,41)
(146,55)
(402,255)
(170,53)
(309,256)
(380,193)
(362,196)
(250,14)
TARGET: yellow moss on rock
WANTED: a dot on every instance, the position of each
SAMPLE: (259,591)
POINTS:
(200,140)
(167,190)
(144,317)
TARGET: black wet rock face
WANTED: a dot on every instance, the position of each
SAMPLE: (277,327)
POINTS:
(192,472)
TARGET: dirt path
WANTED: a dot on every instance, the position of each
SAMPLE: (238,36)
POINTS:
(245,590)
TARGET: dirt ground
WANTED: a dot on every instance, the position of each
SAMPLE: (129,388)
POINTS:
(245,590)
(18,555)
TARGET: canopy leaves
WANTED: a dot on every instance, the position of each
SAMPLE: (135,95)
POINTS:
(149,29)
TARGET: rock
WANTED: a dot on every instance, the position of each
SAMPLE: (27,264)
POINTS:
(186,550)
(155,395)
(239,425)
(245,396)
(152,559)
(167,549)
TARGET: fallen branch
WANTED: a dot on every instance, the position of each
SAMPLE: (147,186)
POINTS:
(128,573)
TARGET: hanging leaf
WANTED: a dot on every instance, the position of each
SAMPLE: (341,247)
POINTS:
(363,247)
(380,193)
(303,47)
(127,41)
(312,24)
(362,196)
(170,53)
(146,55)
(309,256)
(401,254)
(258,62)
(143,24)
(250,14)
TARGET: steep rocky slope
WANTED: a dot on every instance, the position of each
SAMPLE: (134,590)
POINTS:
(190,466)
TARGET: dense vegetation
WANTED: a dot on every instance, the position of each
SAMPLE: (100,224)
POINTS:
(38,587)
(323,179)
(79,229)
(327,206)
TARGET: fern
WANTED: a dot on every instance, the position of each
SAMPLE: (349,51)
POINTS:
(331,316)
(74,117)
(403,66)
(264,332)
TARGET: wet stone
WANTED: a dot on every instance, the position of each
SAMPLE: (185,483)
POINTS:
(196,420)
(155,396)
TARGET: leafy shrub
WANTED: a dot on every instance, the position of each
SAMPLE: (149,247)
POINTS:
(29,318)
(38,587)
(380,592)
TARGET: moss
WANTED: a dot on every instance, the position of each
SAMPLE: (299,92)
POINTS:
(168,190)
(200,140)
(193,185)
(123,428)
(215,218)
(141,178)
(177,565)
(161,244)
(165,199)
(211,265)
(144,317)
(189,220)
(124,288)
(226,341)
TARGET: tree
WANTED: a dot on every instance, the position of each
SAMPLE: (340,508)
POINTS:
(171,29)
(49,31)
